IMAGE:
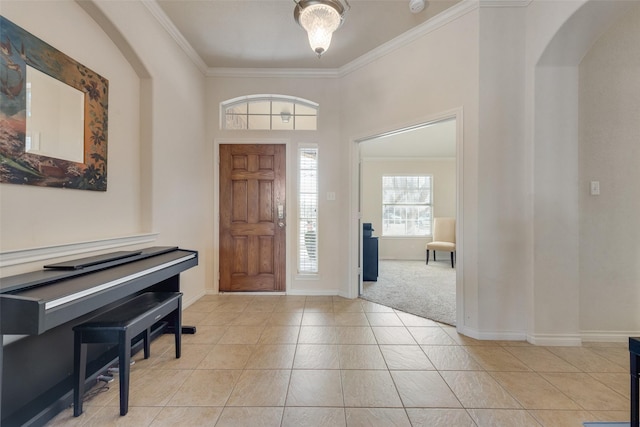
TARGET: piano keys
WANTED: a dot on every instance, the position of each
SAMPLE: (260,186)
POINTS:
(35,302)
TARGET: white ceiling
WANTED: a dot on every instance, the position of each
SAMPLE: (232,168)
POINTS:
(433,140)
(263,33)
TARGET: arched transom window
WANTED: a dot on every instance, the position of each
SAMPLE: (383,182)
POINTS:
(269,112)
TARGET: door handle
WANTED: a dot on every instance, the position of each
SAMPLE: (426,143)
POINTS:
(280,210)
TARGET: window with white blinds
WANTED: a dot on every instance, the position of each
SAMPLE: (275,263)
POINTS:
(308,210)
(406,205)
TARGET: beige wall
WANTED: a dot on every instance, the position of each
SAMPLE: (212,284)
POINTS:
(156,143)
(558,37)
(609,152)
(33,216)
(510,74)
(444,199)
(324,91)
(175,151)
(438,79)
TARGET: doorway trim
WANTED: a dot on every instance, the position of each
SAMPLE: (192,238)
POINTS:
(355,248)
(216,205)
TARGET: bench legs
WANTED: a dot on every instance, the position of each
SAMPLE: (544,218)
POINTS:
(147,343)
(124,358)
(124,369)
(177,324)
(79,373)
(634,365)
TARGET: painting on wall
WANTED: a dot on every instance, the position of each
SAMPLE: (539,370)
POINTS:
(53,115)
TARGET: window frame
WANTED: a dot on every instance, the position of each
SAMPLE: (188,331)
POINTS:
(247,115)
(301,246)
(428,204)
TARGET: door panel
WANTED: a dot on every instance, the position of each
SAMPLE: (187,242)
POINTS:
(252,237)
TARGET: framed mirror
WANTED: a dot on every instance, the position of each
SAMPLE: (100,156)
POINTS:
(53,115)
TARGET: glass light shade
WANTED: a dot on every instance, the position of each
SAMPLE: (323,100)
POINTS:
(320,21)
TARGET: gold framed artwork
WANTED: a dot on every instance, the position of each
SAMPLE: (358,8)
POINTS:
(53,115)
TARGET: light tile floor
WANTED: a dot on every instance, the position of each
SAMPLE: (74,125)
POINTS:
(327,361)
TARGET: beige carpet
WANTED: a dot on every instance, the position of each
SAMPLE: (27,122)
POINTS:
(413,287)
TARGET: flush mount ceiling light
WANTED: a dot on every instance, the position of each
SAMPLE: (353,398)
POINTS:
(320,18)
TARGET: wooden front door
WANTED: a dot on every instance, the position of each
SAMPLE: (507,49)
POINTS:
(252,217)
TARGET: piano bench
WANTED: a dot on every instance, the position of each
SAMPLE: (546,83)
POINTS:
(121,325)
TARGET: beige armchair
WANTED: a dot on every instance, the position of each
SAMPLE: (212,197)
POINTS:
(444,238)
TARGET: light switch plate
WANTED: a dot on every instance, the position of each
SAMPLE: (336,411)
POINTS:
(595,188)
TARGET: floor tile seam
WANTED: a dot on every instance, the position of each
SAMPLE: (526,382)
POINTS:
(200,344)
(582,407)
(532,415)
(332,407)
(543,378)
(588,369)
(470,416)
(522,361)
(605,385)
(481,361)
(286,395)
(344,401)
(193,372)
(499,385)
(482,368)
(233,389)
(565,359)
(91,417)
(624,365)
(449,387)
(248,310)
(539,423)
(428,358)
(152,351)
(593,371)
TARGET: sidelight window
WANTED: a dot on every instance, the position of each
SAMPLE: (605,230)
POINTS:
(308,210)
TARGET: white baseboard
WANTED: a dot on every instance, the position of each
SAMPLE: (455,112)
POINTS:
(557,340)
(187,303)
(582,337)
(328,293)
(608,336)
(492,336)
(345,295)
(323,293)
(251,293)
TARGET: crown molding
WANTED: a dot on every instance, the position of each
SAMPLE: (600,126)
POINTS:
(168,25)
(375,159)
(454,12)
(458,10)
(505,3)
(330,73)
